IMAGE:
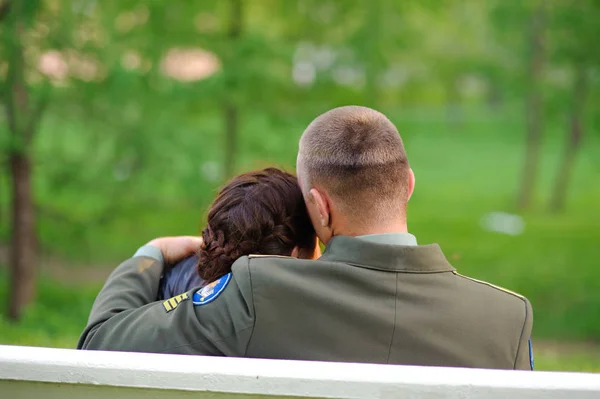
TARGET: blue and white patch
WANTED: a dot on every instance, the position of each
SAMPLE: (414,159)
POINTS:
(210,292)
(530,354)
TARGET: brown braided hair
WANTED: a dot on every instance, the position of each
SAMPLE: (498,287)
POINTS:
(261,212)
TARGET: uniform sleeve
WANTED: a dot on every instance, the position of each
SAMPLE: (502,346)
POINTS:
(125,316)
(524,359)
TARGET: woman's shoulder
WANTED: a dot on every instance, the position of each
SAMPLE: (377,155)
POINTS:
(180,278)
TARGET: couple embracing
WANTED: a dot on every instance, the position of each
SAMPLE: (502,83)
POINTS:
(256,284)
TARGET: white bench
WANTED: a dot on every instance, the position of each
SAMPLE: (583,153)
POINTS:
(45,373)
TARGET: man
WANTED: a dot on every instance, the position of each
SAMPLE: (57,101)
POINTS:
(374,296)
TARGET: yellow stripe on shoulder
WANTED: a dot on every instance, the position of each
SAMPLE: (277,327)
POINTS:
(172,303)
(267,256)
(490,285)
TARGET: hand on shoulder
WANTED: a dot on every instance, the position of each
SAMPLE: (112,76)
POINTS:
(177,248)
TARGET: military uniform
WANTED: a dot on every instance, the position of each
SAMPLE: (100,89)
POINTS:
(370,299)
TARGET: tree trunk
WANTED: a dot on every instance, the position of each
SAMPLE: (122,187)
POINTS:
(22,122)
(230,107)
(4,10)
(22,247)
(572,144)
(534,112)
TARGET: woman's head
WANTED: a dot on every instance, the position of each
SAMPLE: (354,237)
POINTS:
(260,212)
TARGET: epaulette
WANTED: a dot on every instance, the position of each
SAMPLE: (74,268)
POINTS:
(268,256)
(490,285)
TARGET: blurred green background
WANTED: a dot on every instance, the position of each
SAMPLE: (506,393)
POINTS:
(122,118)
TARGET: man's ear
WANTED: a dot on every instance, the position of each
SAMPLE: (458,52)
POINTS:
(411,183)
(322,205)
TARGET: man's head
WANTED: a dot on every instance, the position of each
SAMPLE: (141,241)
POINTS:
(354,173)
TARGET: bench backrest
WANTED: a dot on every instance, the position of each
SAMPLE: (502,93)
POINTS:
(28,372)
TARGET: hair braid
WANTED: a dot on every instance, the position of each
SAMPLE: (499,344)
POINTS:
(259,212)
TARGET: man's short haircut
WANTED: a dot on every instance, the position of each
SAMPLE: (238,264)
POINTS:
(357,156)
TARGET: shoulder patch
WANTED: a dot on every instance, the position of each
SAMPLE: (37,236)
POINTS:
(267,256)
(490,285)
(172,303)
(210,292)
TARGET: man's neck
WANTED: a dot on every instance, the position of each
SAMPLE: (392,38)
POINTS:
(371,230)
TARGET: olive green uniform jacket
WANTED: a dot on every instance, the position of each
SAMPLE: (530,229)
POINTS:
(360,302)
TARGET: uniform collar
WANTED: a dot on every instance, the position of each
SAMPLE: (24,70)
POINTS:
(391,238)
(399,258)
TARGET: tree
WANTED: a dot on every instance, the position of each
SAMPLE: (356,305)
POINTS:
(26,93)
(23,113)
(534,107)
(572,140)
(577,32)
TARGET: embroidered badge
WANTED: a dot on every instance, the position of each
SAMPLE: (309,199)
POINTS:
(530,354)
(172,303)
(211,291)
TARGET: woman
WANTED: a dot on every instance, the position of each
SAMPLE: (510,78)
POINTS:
(260,212)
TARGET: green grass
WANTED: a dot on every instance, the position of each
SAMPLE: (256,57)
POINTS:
(557,356)
(55,320)
(60,314)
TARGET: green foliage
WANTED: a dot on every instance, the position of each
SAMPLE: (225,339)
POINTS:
(575,31)
(125,153)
